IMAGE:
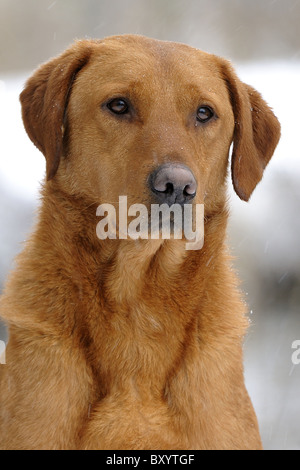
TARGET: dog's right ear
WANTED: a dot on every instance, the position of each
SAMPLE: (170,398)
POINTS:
(45,98)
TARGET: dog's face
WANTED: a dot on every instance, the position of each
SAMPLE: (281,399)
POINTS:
(139,106)
(147,119)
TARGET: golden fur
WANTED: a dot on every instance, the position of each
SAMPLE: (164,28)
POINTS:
(122,344)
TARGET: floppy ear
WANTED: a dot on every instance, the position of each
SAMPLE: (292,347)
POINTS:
(44,102)
(256,134)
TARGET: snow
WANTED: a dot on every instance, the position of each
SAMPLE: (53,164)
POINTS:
(22,166)
(279,85)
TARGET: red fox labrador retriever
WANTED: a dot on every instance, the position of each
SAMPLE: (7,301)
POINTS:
(119,343)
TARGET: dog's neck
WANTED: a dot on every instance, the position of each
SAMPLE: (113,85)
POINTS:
(131,261)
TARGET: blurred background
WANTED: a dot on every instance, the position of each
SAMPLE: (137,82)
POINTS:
(262,39)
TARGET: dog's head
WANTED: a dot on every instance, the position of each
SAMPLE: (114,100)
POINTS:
(148,119)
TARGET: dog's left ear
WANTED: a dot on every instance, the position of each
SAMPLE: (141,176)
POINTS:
(44,102)
(256,134)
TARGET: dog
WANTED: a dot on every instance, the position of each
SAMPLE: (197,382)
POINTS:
(132,344)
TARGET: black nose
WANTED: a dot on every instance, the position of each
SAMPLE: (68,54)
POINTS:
(173,183)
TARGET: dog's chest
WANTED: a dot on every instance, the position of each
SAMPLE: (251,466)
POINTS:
(142,343)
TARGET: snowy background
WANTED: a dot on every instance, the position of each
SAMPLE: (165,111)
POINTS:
(263,40)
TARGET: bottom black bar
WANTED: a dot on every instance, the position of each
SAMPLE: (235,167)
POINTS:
(141,459)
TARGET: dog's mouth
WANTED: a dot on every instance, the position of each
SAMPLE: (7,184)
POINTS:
(163,222)
(138,221)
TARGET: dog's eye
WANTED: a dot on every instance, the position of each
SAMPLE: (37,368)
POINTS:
(118,106)
(205,114)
